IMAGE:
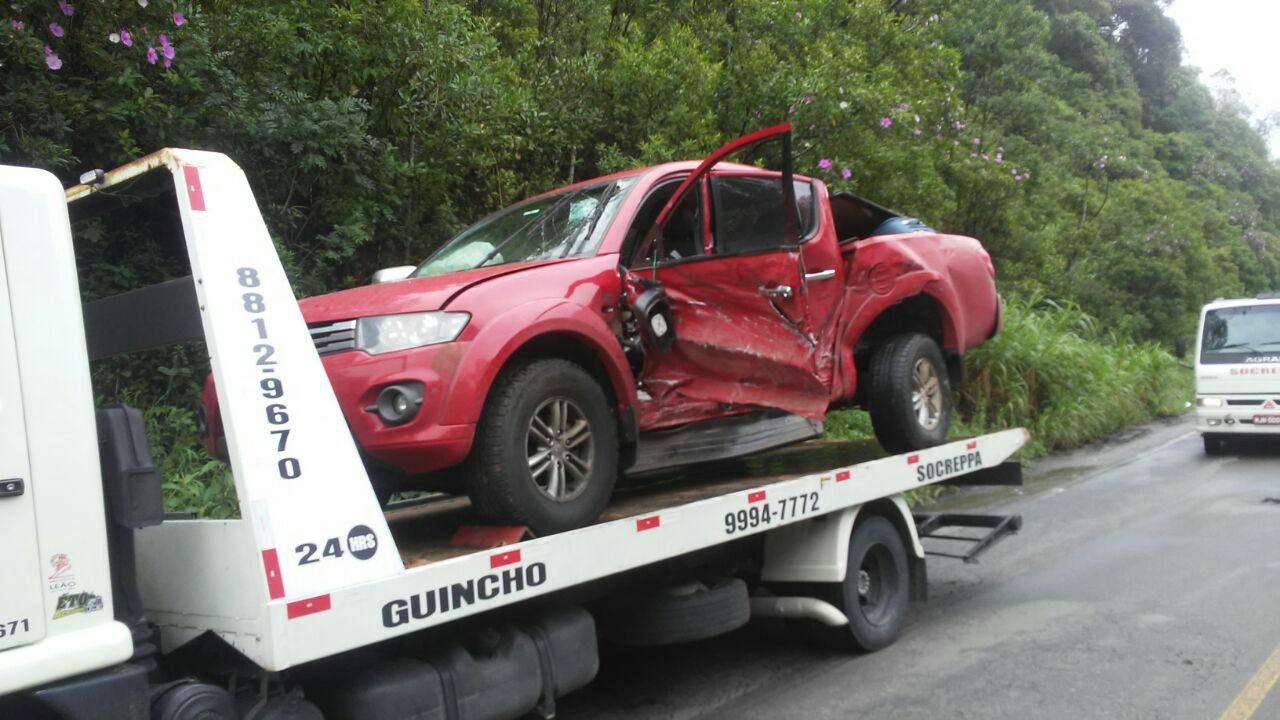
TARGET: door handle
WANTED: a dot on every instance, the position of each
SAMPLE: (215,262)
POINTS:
(777,291)
(821,275)
(11,488)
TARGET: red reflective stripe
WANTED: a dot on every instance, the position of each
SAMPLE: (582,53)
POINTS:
(298,608)
(194,193)
(648,523)
(843,475)
(913,459)
(506,558)
(275,582)
(755,496)
(971,446)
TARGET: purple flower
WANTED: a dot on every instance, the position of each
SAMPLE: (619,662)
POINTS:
(166,49)
(151,55)
(846,173)
(1018,178)
(791,110)
(179,19)
(51,58)
(808,99)
(977,141)
(886,122)
(799,15)
(984,156)
(825,163)
(67,8)
(918,132)
(168,62)
(126,39)
(56,30)
(17,25)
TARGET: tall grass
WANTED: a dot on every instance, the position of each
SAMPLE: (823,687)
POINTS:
(1056,372)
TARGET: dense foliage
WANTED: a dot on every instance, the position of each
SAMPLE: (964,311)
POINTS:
(1065,134)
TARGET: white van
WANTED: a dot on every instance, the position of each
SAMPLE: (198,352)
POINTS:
(1238,370)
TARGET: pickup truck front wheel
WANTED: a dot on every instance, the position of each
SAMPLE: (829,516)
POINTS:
(910,395)
(545,453)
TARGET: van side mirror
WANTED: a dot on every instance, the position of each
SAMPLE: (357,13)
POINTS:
(392,274)
(1180,348)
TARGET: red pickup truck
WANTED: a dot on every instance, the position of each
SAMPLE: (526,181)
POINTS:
(664,316)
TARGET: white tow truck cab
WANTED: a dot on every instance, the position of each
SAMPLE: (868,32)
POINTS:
(316,602)
(1238,370)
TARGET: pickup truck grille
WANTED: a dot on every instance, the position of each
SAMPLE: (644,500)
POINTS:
(334,337)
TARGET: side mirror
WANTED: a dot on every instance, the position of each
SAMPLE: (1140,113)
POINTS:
(1180,348)
(392,274)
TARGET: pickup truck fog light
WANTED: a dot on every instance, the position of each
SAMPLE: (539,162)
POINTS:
(1209,402)
(398,404)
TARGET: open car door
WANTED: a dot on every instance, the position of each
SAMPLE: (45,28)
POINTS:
(717,280)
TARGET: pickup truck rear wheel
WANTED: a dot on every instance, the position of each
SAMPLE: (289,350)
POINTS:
(910,395)
(545,453)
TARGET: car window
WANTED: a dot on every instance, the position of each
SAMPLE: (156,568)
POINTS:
(748,214)
(682,238)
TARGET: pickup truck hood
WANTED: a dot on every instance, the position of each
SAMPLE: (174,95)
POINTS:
(415,295)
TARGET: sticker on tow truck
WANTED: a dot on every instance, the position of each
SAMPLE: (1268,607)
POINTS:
(76,604)
(761,511)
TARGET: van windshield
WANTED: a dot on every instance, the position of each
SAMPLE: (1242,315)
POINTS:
(1245,334)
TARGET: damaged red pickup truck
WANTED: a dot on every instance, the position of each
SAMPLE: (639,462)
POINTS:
(663,316)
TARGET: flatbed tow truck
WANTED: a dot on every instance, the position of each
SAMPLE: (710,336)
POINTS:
(316,603)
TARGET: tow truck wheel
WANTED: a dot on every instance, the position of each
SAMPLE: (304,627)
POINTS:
(546,449)
(874,595)
(909,394)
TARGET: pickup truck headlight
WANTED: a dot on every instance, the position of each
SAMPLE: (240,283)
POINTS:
(389,333)
(1209,402)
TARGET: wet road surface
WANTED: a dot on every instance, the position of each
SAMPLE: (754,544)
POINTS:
(1145,584)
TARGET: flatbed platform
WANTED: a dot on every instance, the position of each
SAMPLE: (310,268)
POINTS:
(423,529)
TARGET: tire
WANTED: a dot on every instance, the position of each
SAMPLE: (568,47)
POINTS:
(893,373)
(1215,445)
(876,616)
(504,489)
(684,613)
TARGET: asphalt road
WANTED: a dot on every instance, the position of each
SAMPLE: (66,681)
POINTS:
(1145,584)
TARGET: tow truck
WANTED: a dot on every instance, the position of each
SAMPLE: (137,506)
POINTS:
(316,602)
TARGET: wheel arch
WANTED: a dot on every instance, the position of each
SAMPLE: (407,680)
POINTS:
(528,333)
(922,312)
(818,550)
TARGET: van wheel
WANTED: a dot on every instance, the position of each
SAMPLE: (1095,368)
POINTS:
(545,453)
(910,395)
(1214,445)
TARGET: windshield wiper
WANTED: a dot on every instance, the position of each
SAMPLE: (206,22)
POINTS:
(1238,346)
(535,222)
